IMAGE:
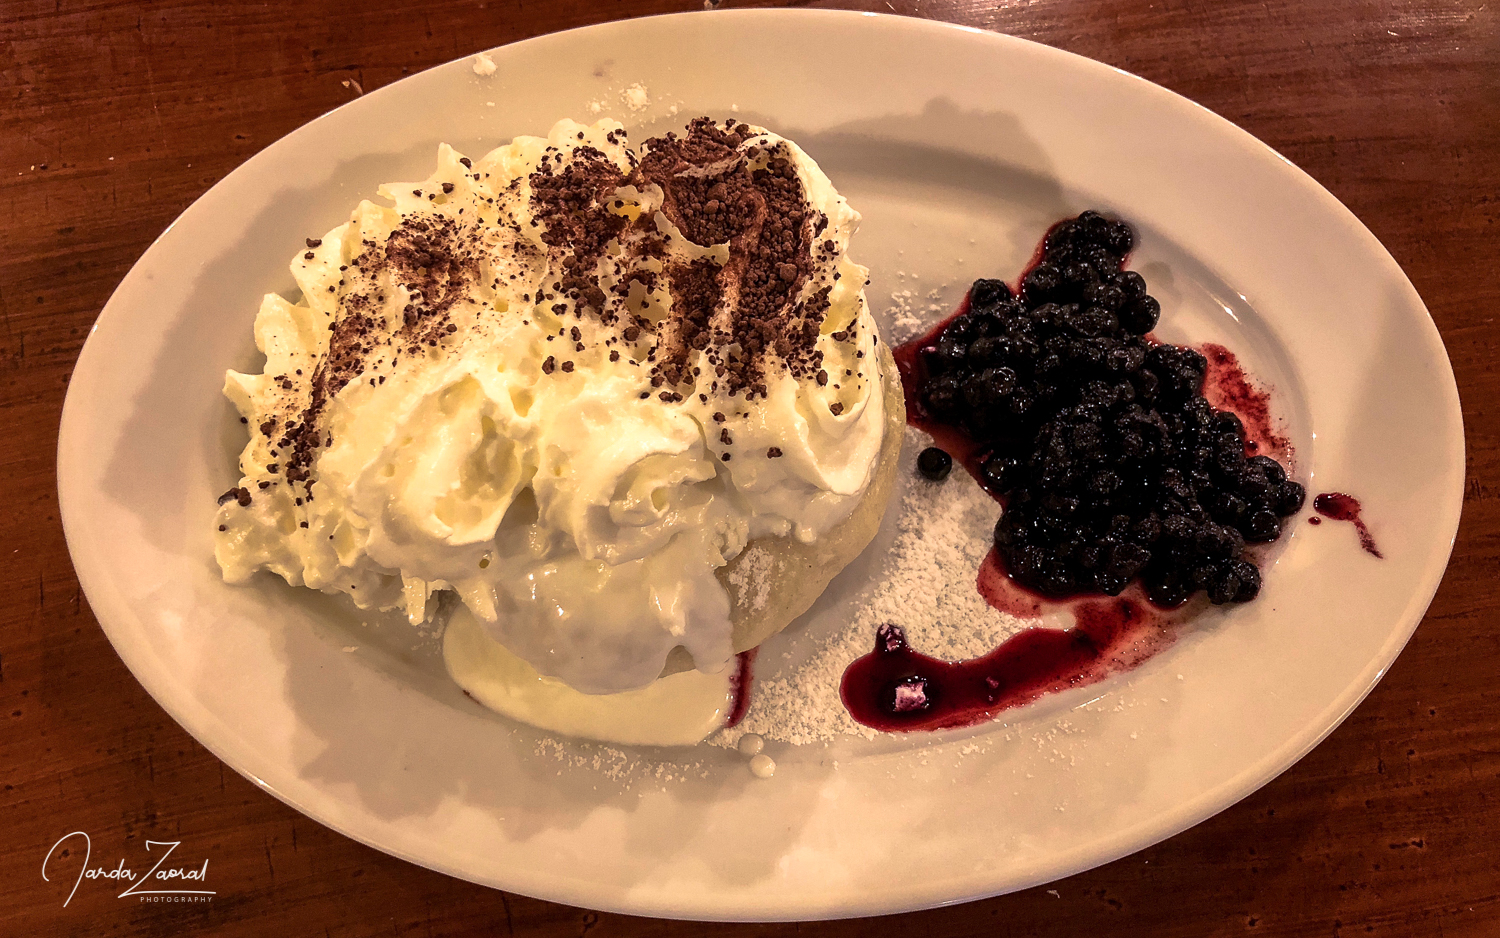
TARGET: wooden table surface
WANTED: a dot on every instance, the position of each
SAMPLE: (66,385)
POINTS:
(116,116)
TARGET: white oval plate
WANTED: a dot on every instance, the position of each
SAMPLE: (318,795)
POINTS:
(960,147)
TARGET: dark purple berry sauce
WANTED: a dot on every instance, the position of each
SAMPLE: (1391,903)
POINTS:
(896,689)
(1227,387)
(744,677)
(1340,507)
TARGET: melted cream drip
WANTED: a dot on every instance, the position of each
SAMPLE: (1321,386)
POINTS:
(677,710)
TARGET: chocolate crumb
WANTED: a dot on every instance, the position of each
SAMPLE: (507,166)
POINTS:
(773,453)
(314,242)
(549,365)
(447,188)
(837,407)
(567,366)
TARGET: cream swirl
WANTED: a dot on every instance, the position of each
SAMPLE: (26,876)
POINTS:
(567,381)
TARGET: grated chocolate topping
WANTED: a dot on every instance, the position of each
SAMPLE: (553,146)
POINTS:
(719,190)
(435,260)
(718,184)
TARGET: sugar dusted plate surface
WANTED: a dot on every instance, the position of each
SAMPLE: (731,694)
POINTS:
(957,169)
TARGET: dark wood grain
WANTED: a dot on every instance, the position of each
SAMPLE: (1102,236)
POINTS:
(115,116)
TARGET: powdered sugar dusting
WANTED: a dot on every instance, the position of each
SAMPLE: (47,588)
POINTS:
(751,578)
(636,97)
(911,313)
(615,765)
(926,585)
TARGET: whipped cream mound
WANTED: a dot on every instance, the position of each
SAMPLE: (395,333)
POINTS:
(567,381)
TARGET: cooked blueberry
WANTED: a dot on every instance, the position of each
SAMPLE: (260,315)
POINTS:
(1262,526)
(989,350)
(989,388)
(1225,422)
(1147,530)
(1120,238)
(1141,315)
(1270,468)
(1097,321)
(1256,489)
(953,349)
(1106,295)
(1146,384)
(1249,576)
(944,395)
(1101,261)
(1132,284)
(1229,462)
(1291,499)
(1203,574)
(1223,586)
(1110,584)
(1128,560)
(1062,238)
(1226,507)
(1076,277)
(934,463)
(986,293)
(1001,473)
(1041,283)
(1020,402)
(1093,228)
(1169,589)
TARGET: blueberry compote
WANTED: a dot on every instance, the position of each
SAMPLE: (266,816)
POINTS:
(1114,470)
(1341,507)
(1110,462)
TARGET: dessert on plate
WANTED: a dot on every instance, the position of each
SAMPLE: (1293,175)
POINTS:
(627,405)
